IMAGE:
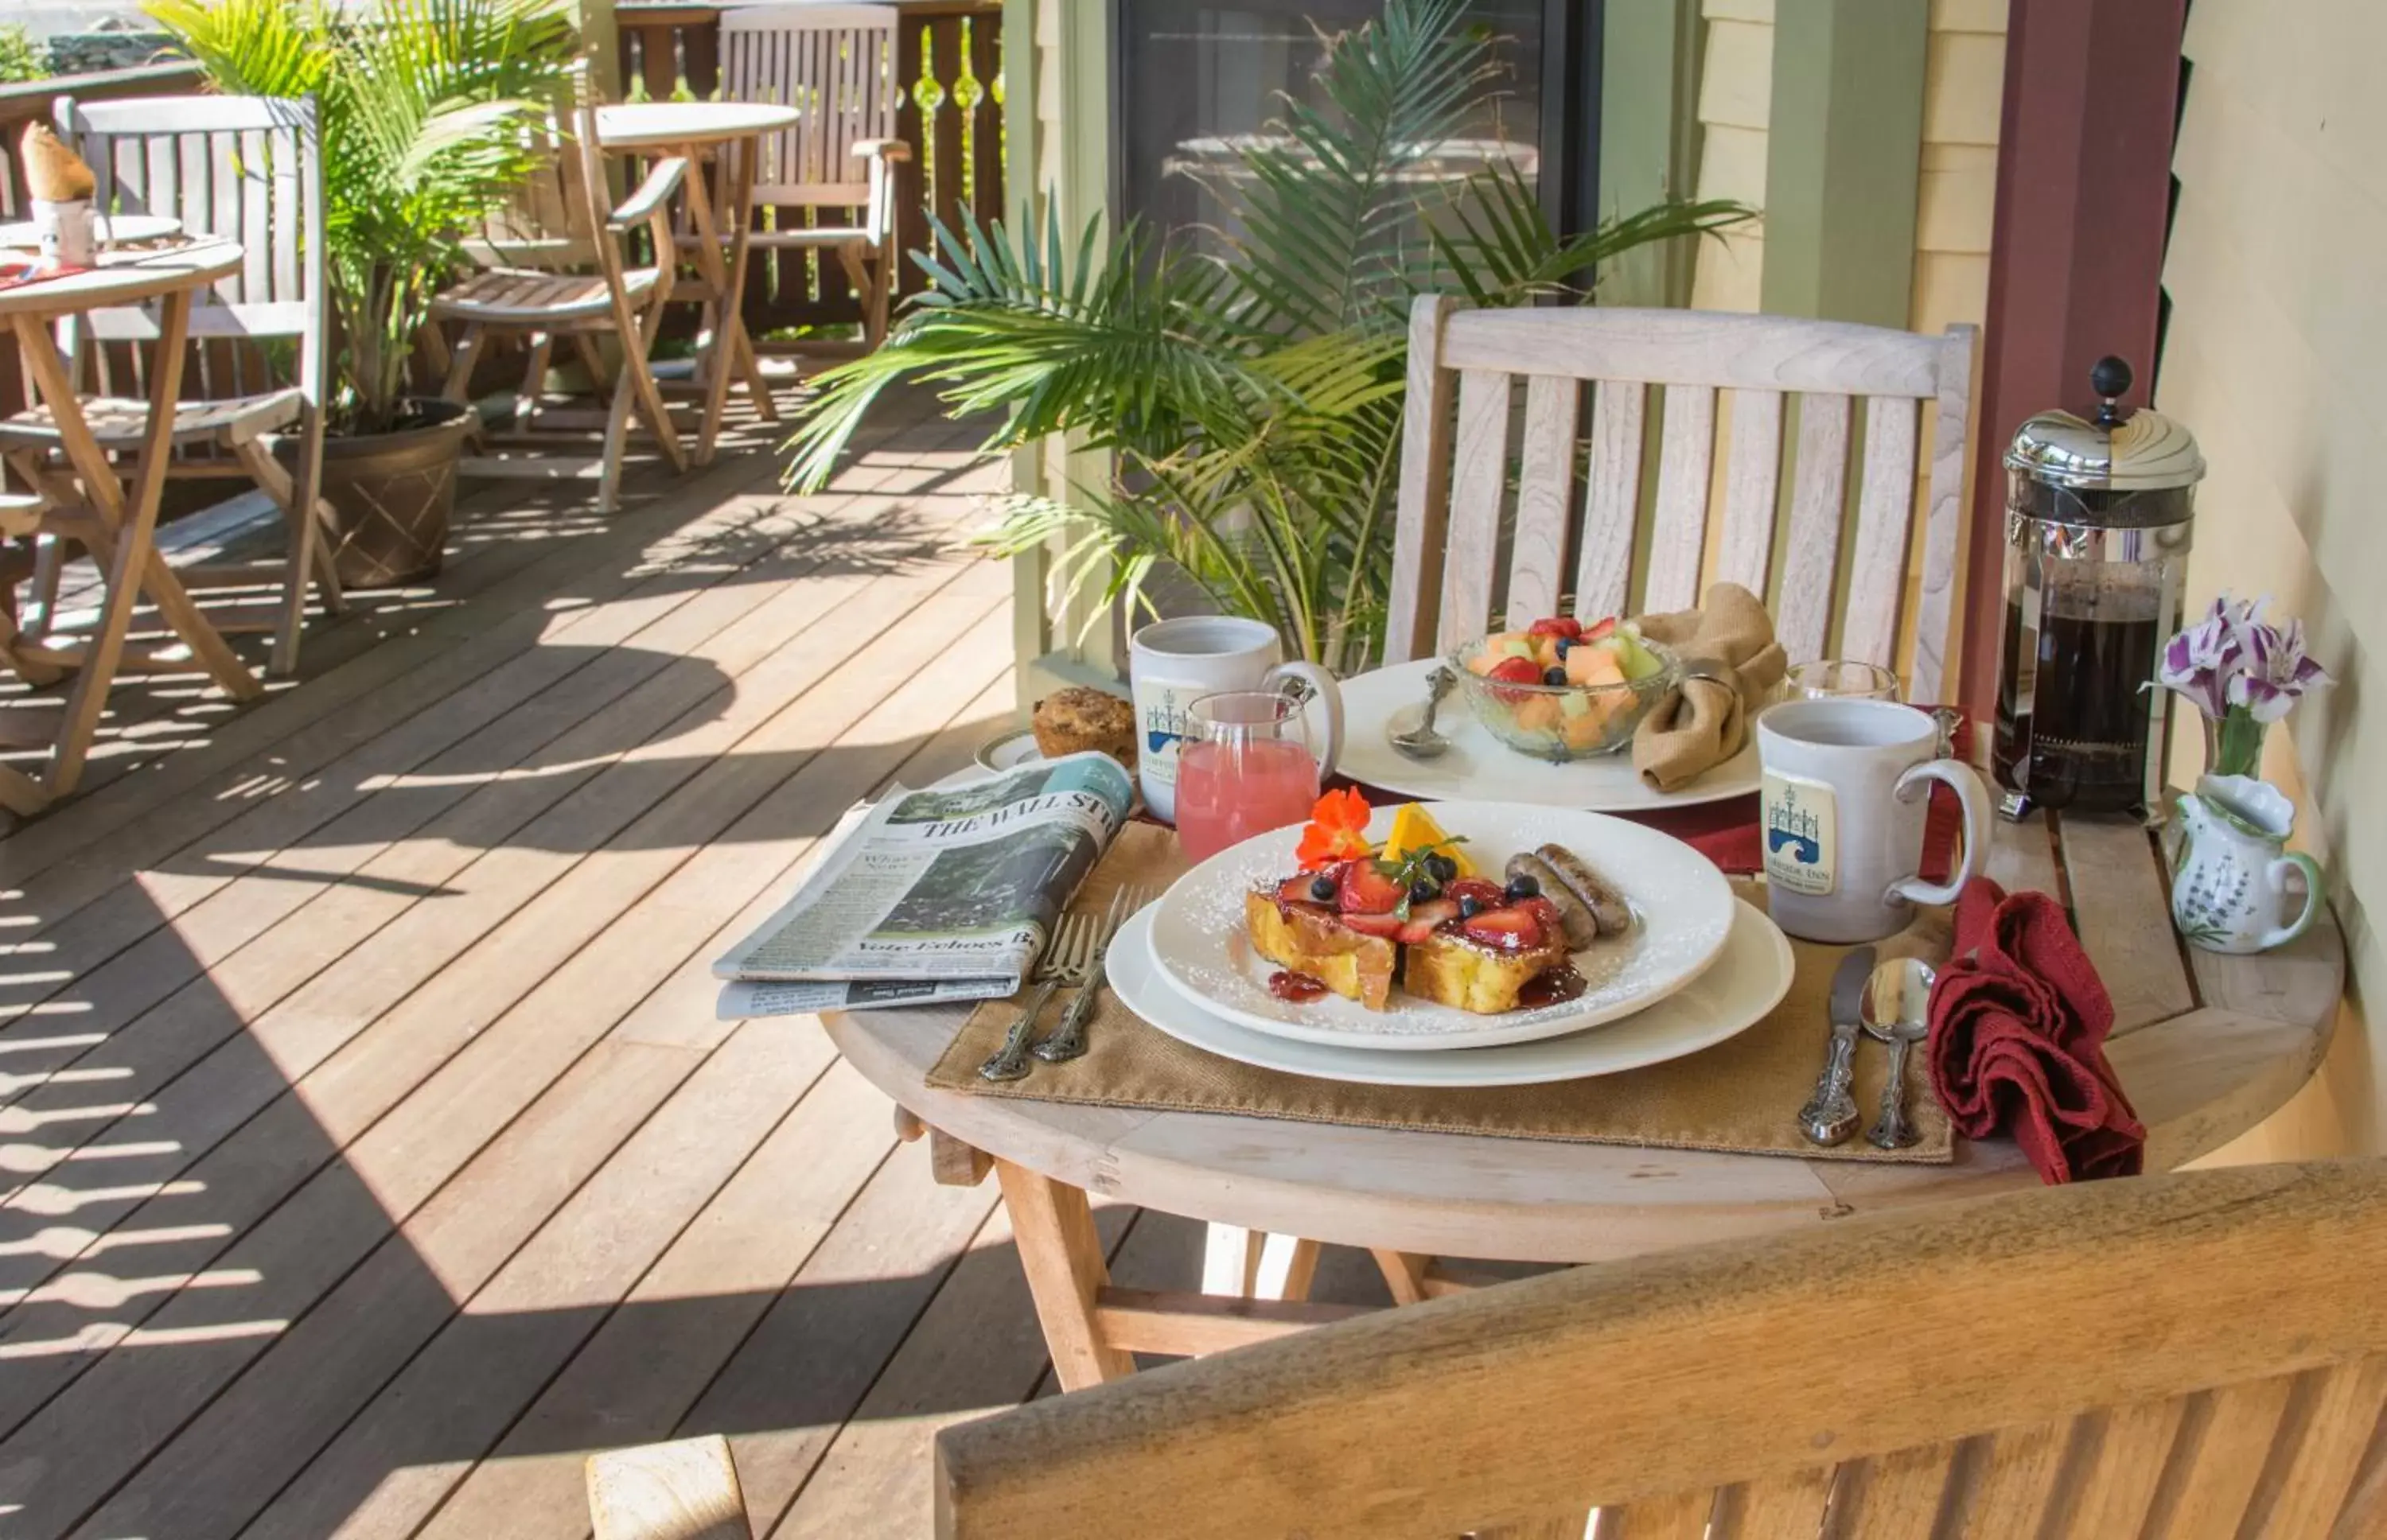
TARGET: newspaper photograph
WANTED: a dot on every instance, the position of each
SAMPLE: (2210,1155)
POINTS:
(933,895)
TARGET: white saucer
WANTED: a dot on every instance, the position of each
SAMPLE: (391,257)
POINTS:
(1682,906)
(1747,982)
(1479,765)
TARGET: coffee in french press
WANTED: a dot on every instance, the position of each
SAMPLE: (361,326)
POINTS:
(2098,517)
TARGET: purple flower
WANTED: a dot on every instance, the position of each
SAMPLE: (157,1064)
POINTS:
(2201,660)
(2275,672)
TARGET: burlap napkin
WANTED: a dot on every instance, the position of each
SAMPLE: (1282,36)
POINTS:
(1706,722)
(53,173)
(1741,1096)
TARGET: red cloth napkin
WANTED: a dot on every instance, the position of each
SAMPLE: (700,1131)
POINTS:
(2018,1044)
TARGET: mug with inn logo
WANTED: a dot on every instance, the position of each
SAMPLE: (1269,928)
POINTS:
(1841,809)
(1171,663)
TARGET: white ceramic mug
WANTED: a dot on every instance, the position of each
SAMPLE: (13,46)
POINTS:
(1171,663)
(69,232)
(1841,814)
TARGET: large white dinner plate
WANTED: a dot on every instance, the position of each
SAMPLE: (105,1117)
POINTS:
(1747,982)
(1683,913)
(1477,764)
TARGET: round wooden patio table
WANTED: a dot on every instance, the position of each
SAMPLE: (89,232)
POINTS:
(119,525)
(2206,1046)
(699,131)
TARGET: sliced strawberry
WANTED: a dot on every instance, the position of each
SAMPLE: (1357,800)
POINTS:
(1599,631)
(1557,626)
(1546,914)
(1427,918)
(1515,671)
(1368,890)
(1487,894)
(1513,929)
(1374,925)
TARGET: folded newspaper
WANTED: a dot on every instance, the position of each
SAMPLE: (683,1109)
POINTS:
(929,896)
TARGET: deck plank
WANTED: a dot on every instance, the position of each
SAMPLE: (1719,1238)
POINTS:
(510,908)
(547,994)
(393,1159)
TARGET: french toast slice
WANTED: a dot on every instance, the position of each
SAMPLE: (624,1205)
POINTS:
(1451,971)
(1312,939)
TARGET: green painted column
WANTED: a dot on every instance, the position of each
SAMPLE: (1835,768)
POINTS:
(1843,158)
(1649,138)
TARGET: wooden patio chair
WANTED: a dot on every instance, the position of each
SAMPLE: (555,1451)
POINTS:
(2196,1354)
(835,64)
(1456,520)
(247,169)
(554,270)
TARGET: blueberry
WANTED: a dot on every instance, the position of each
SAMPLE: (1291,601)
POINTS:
(1321,888)
(1442,867)
(1469,907)
(1566,645)
(1424,893)
(1554,676)
(1521,888)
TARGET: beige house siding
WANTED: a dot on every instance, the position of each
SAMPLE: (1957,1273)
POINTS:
(1736,105)
(2276,357)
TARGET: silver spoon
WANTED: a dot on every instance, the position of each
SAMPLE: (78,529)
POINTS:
(1897,1010)
(1421,742)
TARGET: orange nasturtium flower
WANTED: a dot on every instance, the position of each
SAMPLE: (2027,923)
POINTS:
(1337,831)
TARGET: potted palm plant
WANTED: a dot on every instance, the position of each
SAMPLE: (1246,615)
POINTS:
(1251,402)
(429,112)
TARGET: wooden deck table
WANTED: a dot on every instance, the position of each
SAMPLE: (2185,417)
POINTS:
(119,527)
(2207,1046)
(701,132)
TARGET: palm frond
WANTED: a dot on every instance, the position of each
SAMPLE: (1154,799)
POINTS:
(1497,248)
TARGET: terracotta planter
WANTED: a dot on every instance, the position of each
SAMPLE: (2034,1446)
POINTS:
(392,493)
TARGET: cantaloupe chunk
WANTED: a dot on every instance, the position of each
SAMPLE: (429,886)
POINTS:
(1593,665)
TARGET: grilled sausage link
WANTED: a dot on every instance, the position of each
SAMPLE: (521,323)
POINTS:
(1607,905)
(1581,924)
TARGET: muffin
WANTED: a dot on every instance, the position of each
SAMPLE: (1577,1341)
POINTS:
(1078,718)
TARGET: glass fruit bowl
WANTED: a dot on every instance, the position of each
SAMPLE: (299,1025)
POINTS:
(1613,681)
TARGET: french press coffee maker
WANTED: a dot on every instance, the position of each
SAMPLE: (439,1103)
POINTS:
(2097,535)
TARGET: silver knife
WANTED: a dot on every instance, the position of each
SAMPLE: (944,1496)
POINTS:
(1831,1116)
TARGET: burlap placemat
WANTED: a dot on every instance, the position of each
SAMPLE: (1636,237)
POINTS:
(1741,1096)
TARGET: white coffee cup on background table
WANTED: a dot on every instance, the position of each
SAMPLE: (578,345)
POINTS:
(1841,813)
(1172,662)
(69,232)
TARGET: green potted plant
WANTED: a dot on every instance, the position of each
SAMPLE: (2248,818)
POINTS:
(1250,403)
(429,112)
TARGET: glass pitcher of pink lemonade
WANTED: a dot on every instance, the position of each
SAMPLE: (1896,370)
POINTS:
(1246,765)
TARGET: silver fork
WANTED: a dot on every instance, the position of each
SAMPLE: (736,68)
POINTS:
(1064,961)
(1068,1039)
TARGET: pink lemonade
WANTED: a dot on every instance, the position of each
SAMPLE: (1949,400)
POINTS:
(1227,792)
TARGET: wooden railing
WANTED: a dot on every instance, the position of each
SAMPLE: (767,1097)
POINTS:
(949,65)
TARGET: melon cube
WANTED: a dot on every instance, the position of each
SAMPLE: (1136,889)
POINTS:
(1539,713)
(1593,665)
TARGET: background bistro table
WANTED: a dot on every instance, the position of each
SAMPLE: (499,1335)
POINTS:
(2207,1046)
(700,131)
(118,523)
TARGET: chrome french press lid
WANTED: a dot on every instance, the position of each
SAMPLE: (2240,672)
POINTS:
(2116,470)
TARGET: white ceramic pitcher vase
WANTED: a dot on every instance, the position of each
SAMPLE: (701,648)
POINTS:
(2230,882)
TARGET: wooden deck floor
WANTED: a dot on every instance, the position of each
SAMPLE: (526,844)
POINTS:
(371,1151)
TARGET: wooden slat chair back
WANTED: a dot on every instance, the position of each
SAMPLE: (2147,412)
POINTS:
(2195,1354)
(247,169)
(1586,524)
(559,270)
(836,65)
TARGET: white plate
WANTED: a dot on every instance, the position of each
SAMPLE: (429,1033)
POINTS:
(1747,982)
(120,227)
(1477,764)
(1011,751)
(1682,905)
